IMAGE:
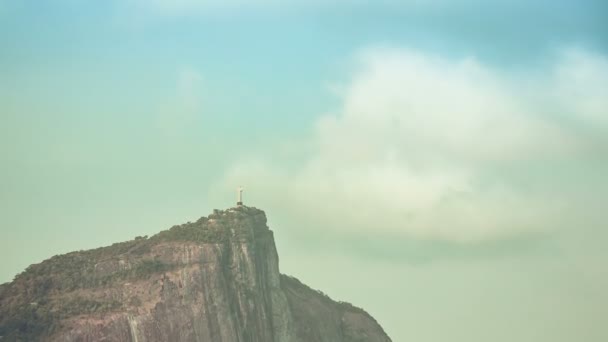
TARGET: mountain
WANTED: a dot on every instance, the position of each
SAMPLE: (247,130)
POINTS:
(216,279)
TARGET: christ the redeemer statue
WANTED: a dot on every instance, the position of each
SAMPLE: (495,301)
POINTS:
(240,195)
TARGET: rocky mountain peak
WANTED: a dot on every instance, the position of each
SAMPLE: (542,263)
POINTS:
(216,279)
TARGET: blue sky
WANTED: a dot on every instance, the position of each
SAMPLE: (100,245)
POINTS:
(447,157)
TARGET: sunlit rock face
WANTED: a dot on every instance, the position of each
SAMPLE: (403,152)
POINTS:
(216,279)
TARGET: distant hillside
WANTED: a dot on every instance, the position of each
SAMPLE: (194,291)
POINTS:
(216,279)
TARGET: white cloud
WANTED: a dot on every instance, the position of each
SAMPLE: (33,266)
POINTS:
(415,148)
(582,89)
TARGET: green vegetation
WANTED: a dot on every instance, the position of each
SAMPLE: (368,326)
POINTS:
(193,232)
(146,268)
(28,321)
(79,306)
(135,301)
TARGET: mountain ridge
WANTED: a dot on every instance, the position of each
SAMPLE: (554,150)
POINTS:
(215,279)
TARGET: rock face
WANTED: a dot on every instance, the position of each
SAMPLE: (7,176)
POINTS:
(213,280)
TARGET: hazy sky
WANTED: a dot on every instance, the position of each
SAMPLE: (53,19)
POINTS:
(442,164)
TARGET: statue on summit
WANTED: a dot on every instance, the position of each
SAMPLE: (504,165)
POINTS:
(240,195)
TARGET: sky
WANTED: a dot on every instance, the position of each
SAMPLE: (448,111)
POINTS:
(441,164)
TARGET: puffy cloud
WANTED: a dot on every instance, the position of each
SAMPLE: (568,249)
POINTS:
(582,86)
(423,146)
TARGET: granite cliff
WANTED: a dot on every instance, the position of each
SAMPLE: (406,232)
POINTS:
(216,279)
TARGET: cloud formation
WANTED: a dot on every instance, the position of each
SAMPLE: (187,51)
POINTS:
(430,147)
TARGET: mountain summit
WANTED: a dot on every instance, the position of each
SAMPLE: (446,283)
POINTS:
(215,280)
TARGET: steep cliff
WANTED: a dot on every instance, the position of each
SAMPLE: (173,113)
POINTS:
(216,279)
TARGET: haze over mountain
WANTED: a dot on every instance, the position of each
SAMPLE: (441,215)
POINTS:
(216,279)
(448,157)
